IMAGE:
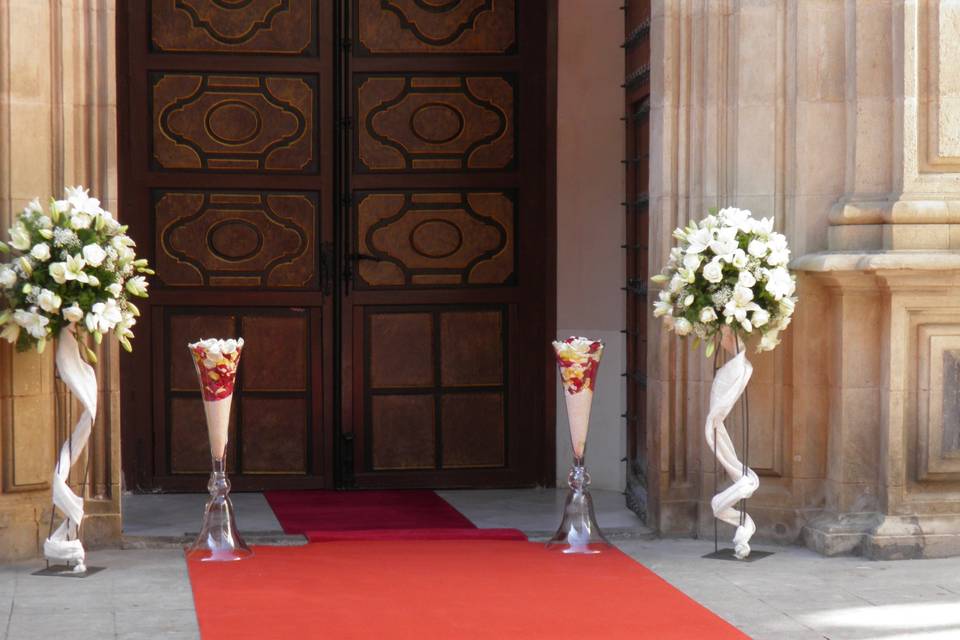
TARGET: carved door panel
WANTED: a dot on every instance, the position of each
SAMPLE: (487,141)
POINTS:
(227,183)
(445,316)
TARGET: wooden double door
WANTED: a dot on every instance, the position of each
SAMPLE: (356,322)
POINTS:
(359,189)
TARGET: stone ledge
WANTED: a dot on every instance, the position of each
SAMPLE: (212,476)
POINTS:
(883,537)
(830,261)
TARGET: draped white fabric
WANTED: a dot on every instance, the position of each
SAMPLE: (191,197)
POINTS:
(81,379)
(729,383)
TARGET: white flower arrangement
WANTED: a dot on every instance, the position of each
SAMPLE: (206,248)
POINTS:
(728,270)
(73,265)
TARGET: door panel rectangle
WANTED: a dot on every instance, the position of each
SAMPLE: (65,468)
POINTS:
(236,122)
(473,430)
(427,239)
(241,239)
(403,429)
(434,123)
(251,26)
(274,435)
(412,27)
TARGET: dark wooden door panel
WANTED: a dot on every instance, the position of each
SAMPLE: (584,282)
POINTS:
(227,183)
(428,369)
(383,163)
(446,315)
(248,122)
(272,412)
(251,27)
(238,239)
(471,27)
(434,123)
(430,239)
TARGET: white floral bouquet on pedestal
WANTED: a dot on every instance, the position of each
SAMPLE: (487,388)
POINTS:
(71,265)
(730,269)
(725,281)
(71,270)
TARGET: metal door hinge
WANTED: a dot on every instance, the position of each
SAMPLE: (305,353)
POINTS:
(328,265)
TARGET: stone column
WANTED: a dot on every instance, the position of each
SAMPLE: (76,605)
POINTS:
(57,128)
(893,272)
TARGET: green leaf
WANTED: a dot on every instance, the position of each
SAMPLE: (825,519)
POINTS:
(711,347)
(4,248)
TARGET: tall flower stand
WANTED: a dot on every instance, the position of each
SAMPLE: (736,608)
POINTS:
(730,505)
(63,546)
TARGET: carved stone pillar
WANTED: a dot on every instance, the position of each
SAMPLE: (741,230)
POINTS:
(57,127)
(893,273)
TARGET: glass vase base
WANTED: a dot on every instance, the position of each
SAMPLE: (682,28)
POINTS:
(579,531)
(219,540)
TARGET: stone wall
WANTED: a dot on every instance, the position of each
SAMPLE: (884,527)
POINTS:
(590,222)
(57,128)
(840,119)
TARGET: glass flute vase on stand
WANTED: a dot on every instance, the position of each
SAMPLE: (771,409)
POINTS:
(216,362)
(578,360)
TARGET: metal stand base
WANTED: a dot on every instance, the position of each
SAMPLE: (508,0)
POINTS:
(727,554)
(66,571)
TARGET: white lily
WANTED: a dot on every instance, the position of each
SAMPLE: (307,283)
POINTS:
(19,237)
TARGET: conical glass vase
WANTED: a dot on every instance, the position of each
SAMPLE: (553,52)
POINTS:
(219,540)
(578,360)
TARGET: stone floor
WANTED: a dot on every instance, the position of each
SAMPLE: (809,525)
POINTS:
(791,595)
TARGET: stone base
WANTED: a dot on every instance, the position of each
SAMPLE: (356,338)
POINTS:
(879,537)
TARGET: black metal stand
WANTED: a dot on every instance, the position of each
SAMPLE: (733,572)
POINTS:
(60,570)
(727,553)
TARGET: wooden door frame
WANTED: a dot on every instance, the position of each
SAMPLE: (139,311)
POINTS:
(136,414)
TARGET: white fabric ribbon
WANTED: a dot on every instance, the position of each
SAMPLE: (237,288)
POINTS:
(729,383)
(63,544)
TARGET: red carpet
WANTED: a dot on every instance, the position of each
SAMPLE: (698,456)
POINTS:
(306,511)
(449,590)
(416,534)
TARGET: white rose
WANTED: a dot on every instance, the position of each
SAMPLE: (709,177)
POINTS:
(48,301)
(8,277)
(713,272)
(708,315)
(94,255)
(58,271)
(739,259)
(682,326)
(746,279)
(73,313)
(757,248)
(41,251)
(780,283)
(760,317)
(19,237)
(115,289)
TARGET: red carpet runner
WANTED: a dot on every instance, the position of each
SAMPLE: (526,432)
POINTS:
(450,590)
(306,511)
